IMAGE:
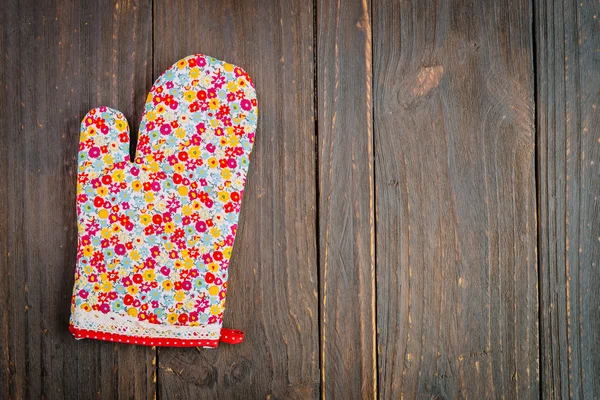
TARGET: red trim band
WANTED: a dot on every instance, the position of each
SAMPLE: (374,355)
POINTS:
(231,336)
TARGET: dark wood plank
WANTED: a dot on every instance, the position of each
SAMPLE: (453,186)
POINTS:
(568,120)
(272,293)
(59,59)
(455,189)
(346,200)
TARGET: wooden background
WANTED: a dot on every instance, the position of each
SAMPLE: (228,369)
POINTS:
(421,218)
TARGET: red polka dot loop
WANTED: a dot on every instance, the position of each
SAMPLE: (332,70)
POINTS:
(229,336)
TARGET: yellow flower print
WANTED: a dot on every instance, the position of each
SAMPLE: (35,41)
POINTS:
(190,95)
(224,196)
(106,233)
(172,318)
(215,232)
(154,167)
(180,133)
(186,210)
(167,285)
(197,205)
(194,72)
(169,246)
(232,87)
(137,186)
(233,141)
(169,227)
(228,67)
(213,290)
(118,176)
(121,125)
(145,219)
(214,123)
(108,159)
(132,311)
(242,82)
(179,295)
(88,269)
(227,253)
(215,310)
(133,289)
(134,255)
(194,152)
(88,251)
(226,173)
(181,64)
(86,307)
(188,263)
(102,191)
(183,190)
(116,228)
(213,267)
(149,276)
(107,286)
(179,168)
(212,162)
(160,109)
(149,197)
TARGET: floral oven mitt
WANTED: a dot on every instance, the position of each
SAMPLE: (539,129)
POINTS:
(156,235)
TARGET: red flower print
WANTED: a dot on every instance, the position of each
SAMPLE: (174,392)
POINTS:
(209,277)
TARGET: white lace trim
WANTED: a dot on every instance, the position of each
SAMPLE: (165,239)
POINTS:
(129,326)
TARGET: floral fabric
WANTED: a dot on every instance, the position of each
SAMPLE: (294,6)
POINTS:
(156,235)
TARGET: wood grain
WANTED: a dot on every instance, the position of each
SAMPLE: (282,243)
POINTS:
(346,200)
(568,120)
(59,59)
(273,288)
(400,185)
(455,200)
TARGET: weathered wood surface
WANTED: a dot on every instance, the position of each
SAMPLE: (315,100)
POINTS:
(415,162)
(346,200)
(568,122)
(456,226)
(59,59)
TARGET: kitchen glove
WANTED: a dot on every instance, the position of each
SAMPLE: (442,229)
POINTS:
(155,236)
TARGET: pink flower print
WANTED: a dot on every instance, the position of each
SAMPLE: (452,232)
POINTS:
(94,152)
(120,249)
(246,105)
(172,160)
(165,129)
(210,148)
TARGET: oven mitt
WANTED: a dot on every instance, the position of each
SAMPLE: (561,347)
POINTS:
(155,236)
